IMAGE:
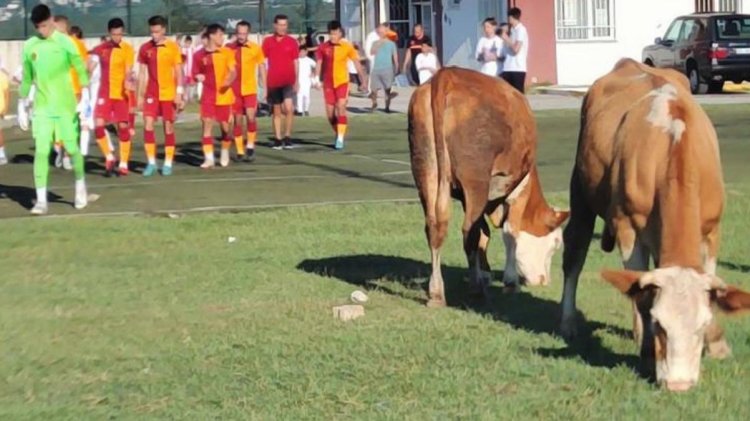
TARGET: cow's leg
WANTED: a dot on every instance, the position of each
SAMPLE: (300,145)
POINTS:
(577,239)
(437,214)
(638,260)
(716,344)
(476,238)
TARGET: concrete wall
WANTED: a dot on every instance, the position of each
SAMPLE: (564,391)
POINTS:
(460,34)
(637,23)
(539,18)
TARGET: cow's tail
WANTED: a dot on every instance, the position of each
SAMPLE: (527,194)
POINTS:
(440,89)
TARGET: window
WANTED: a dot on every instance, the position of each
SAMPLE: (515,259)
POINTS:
(673,33)
(733,28)
(729,5)
(585,20)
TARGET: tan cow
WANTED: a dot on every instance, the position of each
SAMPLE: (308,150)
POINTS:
(474,138)
(648,164)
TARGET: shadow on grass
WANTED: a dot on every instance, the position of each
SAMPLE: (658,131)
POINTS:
(520,310)
(738,267)
(25,196)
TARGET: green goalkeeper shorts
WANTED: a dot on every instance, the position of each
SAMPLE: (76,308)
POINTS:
(55,128)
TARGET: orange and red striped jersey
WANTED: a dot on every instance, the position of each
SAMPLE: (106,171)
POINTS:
(81,47)
(248,57)
(116,63)
(161,61)
(215,66)
(335,58)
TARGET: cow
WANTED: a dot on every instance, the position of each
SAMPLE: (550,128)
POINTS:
(648,164)
(473,137)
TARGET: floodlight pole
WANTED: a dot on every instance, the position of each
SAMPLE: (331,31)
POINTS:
(25,18)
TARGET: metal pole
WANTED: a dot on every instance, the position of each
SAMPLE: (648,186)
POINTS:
(25,19)
(262,15)
(130,17)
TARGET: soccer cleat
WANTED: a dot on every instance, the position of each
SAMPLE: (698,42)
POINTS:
(288,143)
(249,155)
(39,209)
(166,170)
(59,160)
(277,145)
(150,170)
(224,159)
(81,201)
(339,145)
(123,171)
(66,163)
(109,168)
(3,160)
(208,164)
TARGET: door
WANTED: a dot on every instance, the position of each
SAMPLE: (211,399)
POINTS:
(421,12)
(665,53)
(684,46)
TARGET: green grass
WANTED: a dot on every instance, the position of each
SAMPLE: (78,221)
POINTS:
(154,317)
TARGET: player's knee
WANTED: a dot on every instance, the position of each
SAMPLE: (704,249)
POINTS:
(100,132)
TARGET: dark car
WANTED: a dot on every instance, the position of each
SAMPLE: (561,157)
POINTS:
(709,48)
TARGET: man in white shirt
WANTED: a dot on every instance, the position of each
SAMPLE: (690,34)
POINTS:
(517,49)
(489,48)
(427,63)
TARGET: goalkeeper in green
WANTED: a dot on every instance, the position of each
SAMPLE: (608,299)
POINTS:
(47,60)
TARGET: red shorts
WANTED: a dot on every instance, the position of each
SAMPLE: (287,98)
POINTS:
(112,110)
(244,103)
(219,113)
(333,95)
(164,109)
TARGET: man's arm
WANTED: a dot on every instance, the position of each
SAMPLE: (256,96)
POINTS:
(76,61)
(27,78)
(142,81)
(395,59)
(407,60)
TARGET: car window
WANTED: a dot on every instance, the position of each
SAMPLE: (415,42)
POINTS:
(689,31)
(733,27)
(674,31)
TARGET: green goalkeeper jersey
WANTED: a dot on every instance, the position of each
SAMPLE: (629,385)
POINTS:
(46,64)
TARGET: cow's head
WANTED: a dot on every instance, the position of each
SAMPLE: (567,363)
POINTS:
(530,255)
(675,305)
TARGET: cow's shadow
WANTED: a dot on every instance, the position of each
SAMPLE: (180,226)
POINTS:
(520,310)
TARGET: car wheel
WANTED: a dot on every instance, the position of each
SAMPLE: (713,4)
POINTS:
(695,79)
(649,63)
(716,87)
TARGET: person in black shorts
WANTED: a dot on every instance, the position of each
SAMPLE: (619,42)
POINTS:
(414,47)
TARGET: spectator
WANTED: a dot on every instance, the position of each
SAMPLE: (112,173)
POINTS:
(517,43)
(426,63)
(186,50)
(306,80)
(414,48)
(384,67)
(503,28)
(489,48)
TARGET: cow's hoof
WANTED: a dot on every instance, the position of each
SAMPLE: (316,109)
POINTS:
(511,288)
(436,303)
(719,350)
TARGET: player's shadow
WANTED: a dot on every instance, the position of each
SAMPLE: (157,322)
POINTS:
(191,154)
(25,196)
(22,158)
(408,279)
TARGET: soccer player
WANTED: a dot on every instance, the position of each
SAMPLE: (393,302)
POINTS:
(332,57)
(282,52)
(215,66)
(115,65)
(47,59)
(250,59)
(160,91)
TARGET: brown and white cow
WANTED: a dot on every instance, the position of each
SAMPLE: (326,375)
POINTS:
(648,164)
(474,138)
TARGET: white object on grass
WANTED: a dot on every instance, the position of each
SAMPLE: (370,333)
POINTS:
(358,297)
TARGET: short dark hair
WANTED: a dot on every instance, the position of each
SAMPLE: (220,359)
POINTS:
(115,23)
(188,38)
(157,20)
(61,18)
(335,25)
(491,21)
(244,23)
(40,13)
(76,31)
(214,28)
(303,47)
(515,13)
(277,18)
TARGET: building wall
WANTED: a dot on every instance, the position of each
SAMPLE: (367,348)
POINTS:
(539,18)
(637,24)
(460,34)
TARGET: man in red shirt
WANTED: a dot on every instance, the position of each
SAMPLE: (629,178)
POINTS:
(282,52)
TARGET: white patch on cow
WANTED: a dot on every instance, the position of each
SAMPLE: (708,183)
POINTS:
(682,310)
(709,262)
(529,256)
(519,189)
(660,117)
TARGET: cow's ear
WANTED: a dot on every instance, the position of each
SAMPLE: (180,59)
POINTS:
(626,281)
(557,218)
(731,299)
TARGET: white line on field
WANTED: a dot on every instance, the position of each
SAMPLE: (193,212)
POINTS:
(230,179)
(387,161)
(204,209)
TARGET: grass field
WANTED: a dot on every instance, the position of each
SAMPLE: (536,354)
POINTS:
(143,317)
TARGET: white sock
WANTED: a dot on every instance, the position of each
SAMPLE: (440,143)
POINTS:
(58,149)
(84,142)
(81,187)
(2,152)
(41,195)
